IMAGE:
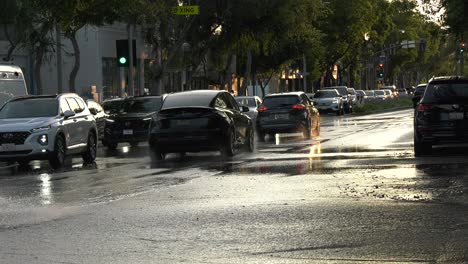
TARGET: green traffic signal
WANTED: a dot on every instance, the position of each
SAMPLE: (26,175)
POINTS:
(122,60)
(380,74)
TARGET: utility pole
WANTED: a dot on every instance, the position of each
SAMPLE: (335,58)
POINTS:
(130,60)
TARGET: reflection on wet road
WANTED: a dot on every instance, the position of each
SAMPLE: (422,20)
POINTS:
(368,157)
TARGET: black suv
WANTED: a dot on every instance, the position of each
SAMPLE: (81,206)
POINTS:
(287,112)
(131,122)
(441,117)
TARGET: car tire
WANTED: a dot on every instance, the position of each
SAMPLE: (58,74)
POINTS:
(228,146)
(422,149)
(156,155)
(260,136)
(306,132)
(111,145)
(57,158)
(91,149)
(251,141)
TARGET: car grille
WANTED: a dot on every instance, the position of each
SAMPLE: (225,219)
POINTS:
(132,124)
(16,138)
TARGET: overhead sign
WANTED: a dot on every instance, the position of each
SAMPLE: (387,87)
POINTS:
(186,10)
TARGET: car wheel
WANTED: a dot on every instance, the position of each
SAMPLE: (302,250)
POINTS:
(111,145)
(57,158)
(91,149)
(260,136)
(229,146)
(156,155)
(421,149)
(251,141)
(306,131)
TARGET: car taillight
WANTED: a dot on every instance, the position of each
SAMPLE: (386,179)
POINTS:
(262,109)
(424,107)
(298,106)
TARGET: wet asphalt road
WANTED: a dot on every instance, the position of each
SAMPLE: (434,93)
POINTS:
(354,195)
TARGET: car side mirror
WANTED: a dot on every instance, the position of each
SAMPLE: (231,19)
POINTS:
(68,113)
(244,109)
(93,111)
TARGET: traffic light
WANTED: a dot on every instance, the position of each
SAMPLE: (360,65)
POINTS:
(381,70)
(122,52)
(462,47)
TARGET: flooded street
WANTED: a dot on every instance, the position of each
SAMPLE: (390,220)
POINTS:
(356,194)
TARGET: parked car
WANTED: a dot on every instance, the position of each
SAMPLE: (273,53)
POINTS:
(329,101)
(360,96)
(418,93)
(202,120)
(252,102)
(47,128)
(441,117)
(352,94)
(287,112)
(112,106)
(347,100)
(99,115)
(131,123)
(380,95)
(370,96)
(12,82)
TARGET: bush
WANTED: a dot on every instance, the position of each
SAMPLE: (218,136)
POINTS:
(379,106)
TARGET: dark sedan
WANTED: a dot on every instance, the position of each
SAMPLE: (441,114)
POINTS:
(131,123)
(203,120)
(441,117)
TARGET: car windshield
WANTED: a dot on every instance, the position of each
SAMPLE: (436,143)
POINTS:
(420,90)
(369,93)
(326,94)
(30,108)
(112,107)
(343,91)
(141,105)
(446,93)
(379,92)
(280,101)
(250,102)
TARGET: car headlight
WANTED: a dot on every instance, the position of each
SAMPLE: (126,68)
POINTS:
(110,121)
(335,101)
(43,140)
(41,129)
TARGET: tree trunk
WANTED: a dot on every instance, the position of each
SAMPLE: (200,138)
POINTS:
(248,68)
(12,46)
(76,66)
(37,68)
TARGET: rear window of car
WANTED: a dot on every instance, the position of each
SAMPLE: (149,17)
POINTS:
(188,100)
(280,101)
(446,93)
(246,102)
(326,94)
(29,108)
(142,105)
(342,90)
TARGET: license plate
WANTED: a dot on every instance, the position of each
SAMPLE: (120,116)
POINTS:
(455,116)
(7,147)
(127,132)
(182,122)
(281,116)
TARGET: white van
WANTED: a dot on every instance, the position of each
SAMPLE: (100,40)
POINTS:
(12,82)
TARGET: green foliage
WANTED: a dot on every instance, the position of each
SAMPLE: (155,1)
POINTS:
(386,105)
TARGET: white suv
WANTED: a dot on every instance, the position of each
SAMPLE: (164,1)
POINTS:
(47,127)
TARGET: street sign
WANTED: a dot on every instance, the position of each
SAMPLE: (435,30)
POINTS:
(186,10)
